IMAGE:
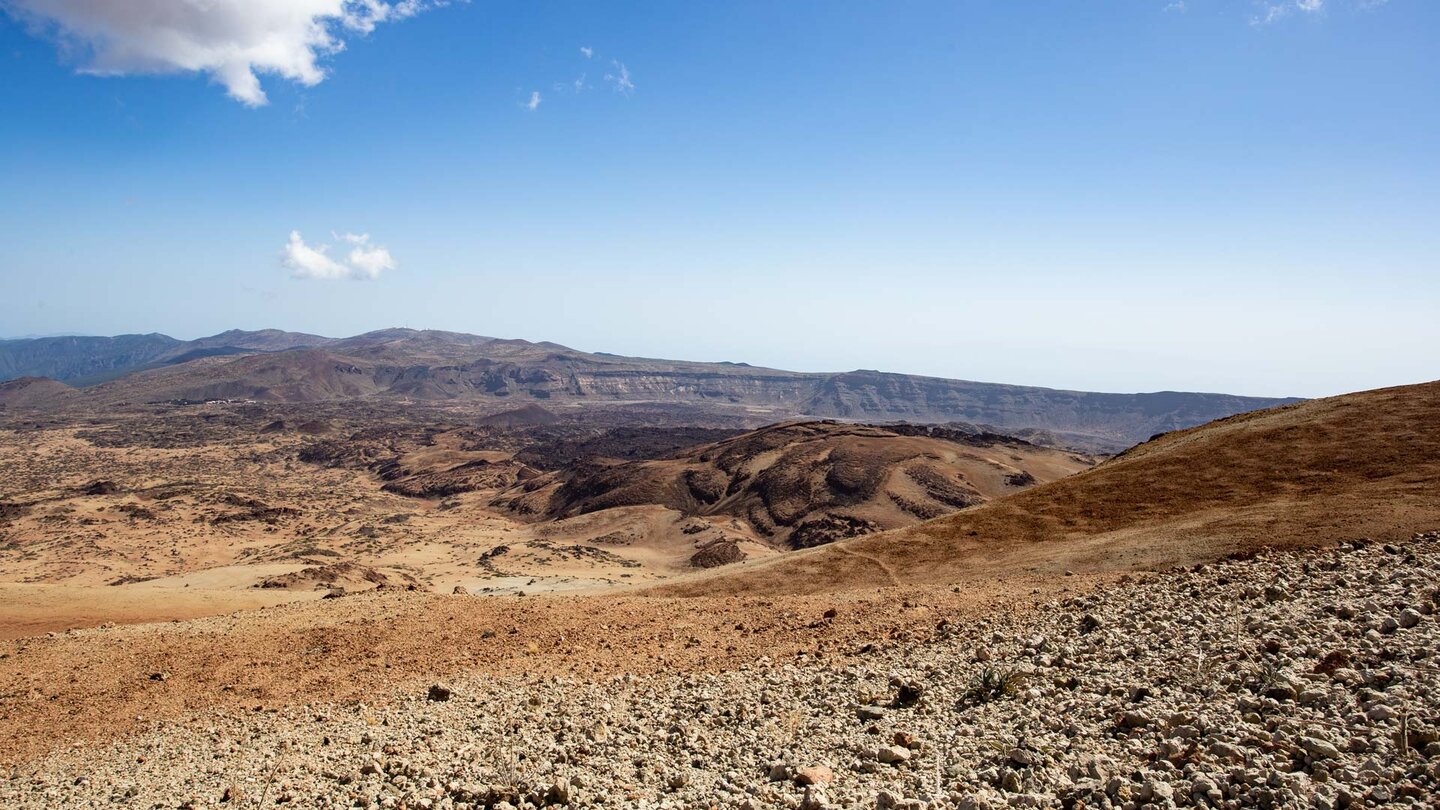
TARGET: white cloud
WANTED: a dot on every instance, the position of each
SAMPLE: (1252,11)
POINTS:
(231,41)
(369,262)
(534,102)
(365,263)
(621,79)
(1176,6)
(587,51)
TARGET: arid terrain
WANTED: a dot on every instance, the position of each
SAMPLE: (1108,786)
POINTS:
(459,602)
(203,508)
(451,405)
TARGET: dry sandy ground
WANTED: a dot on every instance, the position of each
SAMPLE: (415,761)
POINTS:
(31,609)
(95,683)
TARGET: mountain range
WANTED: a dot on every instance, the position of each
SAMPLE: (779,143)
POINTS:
(407,364)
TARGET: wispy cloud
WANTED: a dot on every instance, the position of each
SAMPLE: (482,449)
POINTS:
(365,262)
(231,41)
(621,79)
(1274,10)
(618,77)
(576,86)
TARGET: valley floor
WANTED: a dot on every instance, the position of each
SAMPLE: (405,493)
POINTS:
(1298,679)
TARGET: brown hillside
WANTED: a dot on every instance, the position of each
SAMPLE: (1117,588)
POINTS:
(33,392)
(1359,465)
(804,484)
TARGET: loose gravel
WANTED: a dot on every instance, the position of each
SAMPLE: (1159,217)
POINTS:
(1284,680)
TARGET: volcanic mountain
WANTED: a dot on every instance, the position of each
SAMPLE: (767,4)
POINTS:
(1363,465)
(406,364)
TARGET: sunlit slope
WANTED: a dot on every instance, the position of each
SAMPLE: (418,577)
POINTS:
(1358,465)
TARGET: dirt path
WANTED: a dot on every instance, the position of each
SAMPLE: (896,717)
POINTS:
(879,563)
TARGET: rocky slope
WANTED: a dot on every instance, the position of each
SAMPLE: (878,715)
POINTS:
(1286,680)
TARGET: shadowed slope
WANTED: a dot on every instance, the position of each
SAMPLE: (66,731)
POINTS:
(1359,465)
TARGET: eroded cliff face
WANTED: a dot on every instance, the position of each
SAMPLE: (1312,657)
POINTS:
(438,366)
(1127,418)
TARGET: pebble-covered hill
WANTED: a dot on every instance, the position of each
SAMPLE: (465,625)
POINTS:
(1298,679)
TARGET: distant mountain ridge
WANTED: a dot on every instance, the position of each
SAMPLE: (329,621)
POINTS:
(84,360)
(277,366)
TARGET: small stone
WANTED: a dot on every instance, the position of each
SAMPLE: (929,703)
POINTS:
(1283,692)
(909,694)
(1380,712)
(1157,792)
(1318,748)
(438,693)
(814,799)
(1226,752)
(1133,719)
(1408,618)
(1024,758)
(868,713)
(893,754)
(814,775)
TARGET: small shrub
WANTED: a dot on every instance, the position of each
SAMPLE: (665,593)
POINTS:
(992,684)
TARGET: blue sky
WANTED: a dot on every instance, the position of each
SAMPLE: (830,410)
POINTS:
(1132,195)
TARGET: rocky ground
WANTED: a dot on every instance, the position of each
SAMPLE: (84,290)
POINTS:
(1286,680)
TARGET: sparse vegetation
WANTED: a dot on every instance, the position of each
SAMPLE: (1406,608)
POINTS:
(991,684)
